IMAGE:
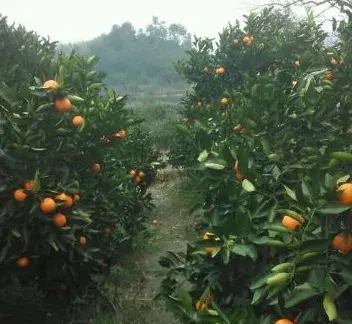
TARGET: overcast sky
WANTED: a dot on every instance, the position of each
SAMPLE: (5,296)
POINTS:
(76,20)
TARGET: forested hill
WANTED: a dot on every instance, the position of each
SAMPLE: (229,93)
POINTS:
(138,60)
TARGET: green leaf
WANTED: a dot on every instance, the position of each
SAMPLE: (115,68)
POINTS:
(343,179)
(186,299)
(342,156)
(203,156)
(264,240)
(333,208)
(247,186)
(300,294)
(290,193)
(214,166)
(245,250)
(15,233)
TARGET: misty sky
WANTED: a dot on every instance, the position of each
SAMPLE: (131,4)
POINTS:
(76,20)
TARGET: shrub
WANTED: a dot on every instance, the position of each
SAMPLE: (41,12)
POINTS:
(67,143)
(270,159)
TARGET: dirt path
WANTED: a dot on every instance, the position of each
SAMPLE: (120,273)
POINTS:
(142,274)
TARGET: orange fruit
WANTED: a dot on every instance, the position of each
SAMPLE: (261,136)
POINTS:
(20,195)
(235,41)
(296,64)
(78,121)
(96,168)
(66,199)
(29,185)
(342,242)
(138,180)
(76,198)
(48,205)
(290,223)
(208,235)
(82,240)
(121,134)
(155,222)
(224,101)
(59,220)
(50,84)
(209,249)
(329,75)
(246,39)
(199,104)
(201,306)
(132,173)
(283,321)
(23,262)
(345,193)
(220,70)
(141,174)
(63,105)
(333,62)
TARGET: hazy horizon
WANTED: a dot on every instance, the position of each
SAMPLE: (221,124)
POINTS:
(78,20)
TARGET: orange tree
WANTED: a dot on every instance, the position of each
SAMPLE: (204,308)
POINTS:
(270,116)
(69,203)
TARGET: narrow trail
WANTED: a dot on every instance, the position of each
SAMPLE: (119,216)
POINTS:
(139,285)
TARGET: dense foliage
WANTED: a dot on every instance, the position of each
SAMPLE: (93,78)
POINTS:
(137,60)
(74,168)
(267,137)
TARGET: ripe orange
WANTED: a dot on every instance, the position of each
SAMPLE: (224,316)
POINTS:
(342,242)
(345,193)
(59,220)
(96,168)
(50,84)
(235,41)
(333,62)
(48,205)
(121,134)
(76,198)
(132,173)
(155,222)
(23,262)
(20,195)
(224,101)
(208,235)
(201,306)
(82,240)
(329,75)
(290,223)
(138,180)
(199,104)
(141,174)
(246,40)
(220,70)
(63,105)
(66,199)
(29,185)
(283,321)
(78,121)
(296,64)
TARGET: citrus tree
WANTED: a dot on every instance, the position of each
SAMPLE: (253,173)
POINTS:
(271,115)
(75,167)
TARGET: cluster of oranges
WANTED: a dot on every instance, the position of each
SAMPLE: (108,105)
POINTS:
(138,176)
(48,205)
(342,242)
(63,104)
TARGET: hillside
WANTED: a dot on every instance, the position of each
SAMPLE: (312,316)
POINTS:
(138,60)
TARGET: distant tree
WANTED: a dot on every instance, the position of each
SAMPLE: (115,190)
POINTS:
(133,57)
